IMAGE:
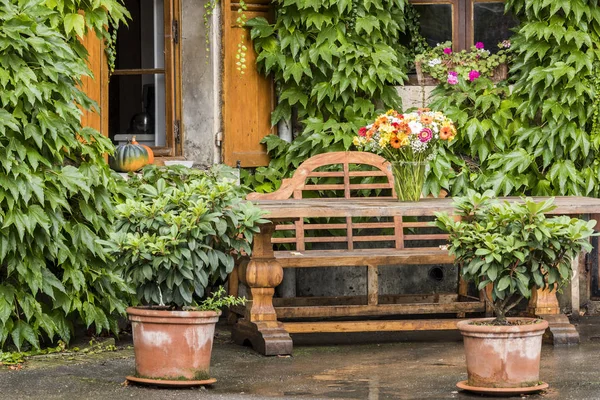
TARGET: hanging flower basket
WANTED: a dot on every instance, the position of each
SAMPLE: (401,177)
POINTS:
(442,64)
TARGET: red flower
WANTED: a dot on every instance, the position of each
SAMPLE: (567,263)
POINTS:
(362,131)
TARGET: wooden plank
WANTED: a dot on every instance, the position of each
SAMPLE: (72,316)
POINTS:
(441,298)
(248,99)
(371,326)
(343,258)
(378,207)
(378,310)
(378,238)
(96,86)
(433,236)
(298,181)
(372,285)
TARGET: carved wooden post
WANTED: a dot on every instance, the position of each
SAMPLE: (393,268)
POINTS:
(262,274)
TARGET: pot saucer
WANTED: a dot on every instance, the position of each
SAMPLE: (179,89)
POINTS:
(166,382)
(501,391)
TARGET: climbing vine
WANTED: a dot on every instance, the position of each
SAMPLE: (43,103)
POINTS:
(335,64)
(549,122)
(55,187)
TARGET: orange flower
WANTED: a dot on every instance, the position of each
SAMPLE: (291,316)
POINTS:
(445,132)
(426,119)
(395,142)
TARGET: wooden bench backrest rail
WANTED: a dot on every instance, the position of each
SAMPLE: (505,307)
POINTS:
(346,168)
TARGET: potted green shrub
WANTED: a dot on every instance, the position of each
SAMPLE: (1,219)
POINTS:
(177,234)
(514,248)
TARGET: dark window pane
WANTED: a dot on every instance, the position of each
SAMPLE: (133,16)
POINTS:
(436,22)
(141,40)
(137,107)
(491,25)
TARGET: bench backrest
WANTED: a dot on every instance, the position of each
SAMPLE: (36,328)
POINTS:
(342,170)
(345,175)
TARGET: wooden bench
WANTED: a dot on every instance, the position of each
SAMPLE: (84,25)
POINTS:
(361,240)
(339,210)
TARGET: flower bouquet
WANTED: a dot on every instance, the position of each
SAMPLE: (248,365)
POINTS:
(441,64)
(408,142)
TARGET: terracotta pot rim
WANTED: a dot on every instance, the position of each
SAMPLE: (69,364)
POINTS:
(145,311)
(466,326)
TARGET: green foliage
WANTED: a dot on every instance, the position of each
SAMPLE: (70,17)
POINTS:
(556,51)
(217,301)
(514,246)
(335,65)
(483,115)
(544,137)
(180,232)
(55,188)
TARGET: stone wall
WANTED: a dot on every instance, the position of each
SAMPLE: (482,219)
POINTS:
(201,82)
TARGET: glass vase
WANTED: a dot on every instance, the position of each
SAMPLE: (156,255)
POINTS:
(409,177)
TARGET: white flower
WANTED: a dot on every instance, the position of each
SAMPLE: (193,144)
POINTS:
(415,127)
(434,62)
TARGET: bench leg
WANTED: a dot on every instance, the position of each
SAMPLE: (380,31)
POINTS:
(462,291)
(544,304)
(262,274)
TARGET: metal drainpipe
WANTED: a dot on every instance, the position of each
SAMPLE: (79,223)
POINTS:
(217,74)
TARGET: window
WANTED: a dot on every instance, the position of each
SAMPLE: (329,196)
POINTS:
(143,96)
(464,22)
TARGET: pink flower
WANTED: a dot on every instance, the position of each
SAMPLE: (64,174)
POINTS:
(447,50)
(362,131)
(453,73)
(479,45)
(473,75)
(452,78)
(425,135)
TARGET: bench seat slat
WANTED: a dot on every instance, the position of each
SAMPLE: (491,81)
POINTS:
(371,326)
(378,309)
(354,258)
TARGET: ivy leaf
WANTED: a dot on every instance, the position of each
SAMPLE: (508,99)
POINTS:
(367,24)
(75,22)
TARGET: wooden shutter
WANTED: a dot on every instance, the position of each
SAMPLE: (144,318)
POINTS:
(248,99)
(96,86)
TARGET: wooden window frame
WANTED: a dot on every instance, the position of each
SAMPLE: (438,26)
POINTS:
(172,73)
(462,19)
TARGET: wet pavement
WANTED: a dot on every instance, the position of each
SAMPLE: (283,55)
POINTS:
(412,366)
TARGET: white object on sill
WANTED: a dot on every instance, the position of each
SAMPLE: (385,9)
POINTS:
(185,163)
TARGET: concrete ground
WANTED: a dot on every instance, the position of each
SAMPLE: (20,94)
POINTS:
(413,366)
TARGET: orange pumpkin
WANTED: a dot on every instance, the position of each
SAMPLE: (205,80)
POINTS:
(128,158)
(148,149)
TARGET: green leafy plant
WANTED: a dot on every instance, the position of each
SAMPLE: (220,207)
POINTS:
(217,301)
(446,65)
(513,246)
(335,65)
(181,232)
(483,114)
(55,187)
(209,9)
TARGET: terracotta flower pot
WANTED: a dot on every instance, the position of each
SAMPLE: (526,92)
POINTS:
(172,345)
(503,356)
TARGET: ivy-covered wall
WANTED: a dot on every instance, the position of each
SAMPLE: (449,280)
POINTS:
(542,137)
(55,186)
(335,64)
